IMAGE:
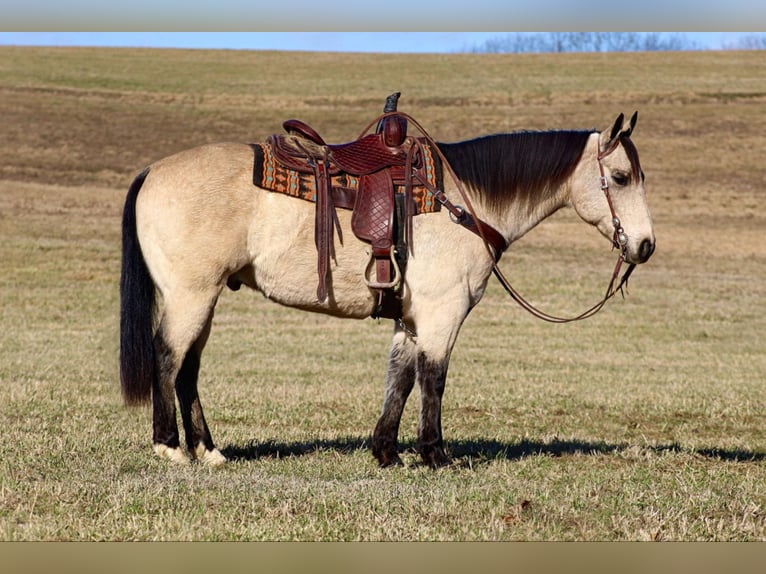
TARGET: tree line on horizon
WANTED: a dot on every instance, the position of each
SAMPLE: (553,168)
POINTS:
(552,42)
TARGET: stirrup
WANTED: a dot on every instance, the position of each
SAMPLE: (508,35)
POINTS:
(382,285)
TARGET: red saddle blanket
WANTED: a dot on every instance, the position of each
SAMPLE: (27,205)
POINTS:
(269,174)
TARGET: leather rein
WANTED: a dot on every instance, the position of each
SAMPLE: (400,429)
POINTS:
(496,244)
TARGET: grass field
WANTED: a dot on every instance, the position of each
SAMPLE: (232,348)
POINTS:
(645,423)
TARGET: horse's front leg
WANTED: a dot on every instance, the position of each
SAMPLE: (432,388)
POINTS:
(400,379)
(425,359)
(432,375)
(438,323)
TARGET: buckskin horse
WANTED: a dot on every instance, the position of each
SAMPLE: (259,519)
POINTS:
(194,223)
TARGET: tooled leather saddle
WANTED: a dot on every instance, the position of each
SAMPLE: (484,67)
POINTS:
(385,165)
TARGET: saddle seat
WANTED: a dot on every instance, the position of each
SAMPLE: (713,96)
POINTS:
(302,147)
(362,156)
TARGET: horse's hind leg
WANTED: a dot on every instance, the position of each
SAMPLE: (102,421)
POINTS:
(198,438)
(165,429)
(180,338)
(400,379)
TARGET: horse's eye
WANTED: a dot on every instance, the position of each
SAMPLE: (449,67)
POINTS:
(620,179)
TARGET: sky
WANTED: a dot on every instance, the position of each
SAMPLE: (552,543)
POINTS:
(353,25)
(414,42)
(310,41)
(354,15)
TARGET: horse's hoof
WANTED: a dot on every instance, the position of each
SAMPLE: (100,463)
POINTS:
(212,458)
(389,460)
(386,454)
(175,455)
(435,458)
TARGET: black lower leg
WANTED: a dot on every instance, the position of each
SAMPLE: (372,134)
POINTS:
(165,428)
(399,382)
(195,427)
(432,376)
(385,436)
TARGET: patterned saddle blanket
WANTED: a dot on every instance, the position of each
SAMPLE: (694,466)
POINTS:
(270,174)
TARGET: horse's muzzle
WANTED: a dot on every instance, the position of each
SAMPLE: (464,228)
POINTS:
(645,251)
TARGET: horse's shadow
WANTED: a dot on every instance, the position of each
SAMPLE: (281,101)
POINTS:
(470,453)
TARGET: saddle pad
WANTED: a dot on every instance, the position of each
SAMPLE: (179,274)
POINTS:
(269,174)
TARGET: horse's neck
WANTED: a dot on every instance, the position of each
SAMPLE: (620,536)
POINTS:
(520,216)
(531,196)
(523,215)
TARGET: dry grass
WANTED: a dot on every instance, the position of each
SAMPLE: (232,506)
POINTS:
(644,423)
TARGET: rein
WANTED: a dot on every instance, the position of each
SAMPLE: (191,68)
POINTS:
(496,244)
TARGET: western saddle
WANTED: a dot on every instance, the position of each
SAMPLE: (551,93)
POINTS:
(382,161)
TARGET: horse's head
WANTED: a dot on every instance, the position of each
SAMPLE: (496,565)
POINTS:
(608,191)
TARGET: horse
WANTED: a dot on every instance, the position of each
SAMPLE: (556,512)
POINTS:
(194,223)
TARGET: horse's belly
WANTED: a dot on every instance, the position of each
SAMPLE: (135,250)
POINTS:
(285,260)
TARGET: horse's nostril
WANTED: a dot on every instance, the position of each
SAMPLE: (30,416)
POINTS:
(646,249)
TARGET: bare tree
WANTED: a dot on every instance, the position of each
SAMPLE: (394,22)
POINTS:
(519,43)
(749,42)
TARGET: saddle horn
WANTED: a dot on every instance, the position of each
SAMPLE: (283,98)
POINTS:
(393,128)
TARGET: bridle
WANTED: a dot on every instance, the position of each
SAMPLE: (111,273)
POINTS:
(619,239)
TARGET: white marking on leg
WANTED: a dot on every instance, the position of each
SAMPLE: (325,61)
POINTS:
(175,455)
(212,458)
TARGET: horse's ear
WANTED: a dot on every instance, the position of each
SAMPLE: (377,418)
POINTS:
(606,142)
(617,126)
(632,124)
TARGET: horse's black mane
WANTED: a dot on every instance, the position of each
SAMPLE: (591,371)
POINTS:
(516,166)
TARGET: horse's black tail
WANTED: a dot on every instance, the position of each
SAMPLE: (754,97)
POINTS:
(137,364)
